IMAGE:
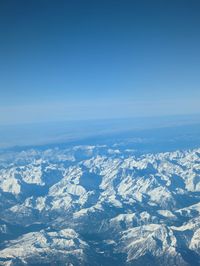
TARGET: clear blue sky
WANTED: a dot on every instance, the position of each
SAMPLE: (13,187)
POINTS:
(78,59)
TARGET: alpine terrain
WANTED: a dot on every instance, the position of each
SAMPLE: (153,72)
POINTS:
(99,205)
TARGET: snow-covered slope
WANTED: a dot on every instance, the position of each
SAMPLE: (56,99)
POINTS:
(99,205)
(46,247)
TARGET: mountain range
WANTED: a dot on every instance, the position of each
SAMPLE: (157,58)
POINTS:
(99,205)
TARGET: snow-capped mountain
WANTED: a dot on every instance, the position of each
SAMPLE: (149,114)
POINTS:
(99,205)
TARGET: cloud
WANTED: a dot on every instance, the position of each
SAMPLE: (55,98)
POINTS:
(99,109)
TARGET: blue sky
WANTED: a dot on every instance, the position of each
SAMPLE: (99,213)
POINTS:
(65,60)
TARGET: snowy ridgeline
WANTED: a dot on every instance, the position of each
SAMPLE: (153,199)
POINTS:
(99,205)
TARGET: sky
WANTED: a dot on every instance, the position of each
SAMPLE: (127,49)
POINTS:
(95,59)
